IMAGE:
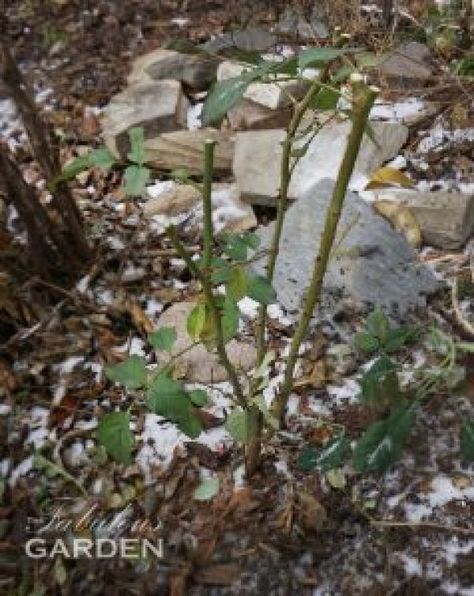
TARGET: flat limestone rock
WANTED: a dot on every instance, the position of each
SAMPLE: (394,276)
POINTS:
(199,365)
(157,106)
(185,149)
(271,95)
(445,219)
(257,158)
(374,265)
(194,71)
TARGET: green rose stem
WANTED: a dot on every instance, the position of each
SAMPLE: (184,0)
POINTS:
(204,274)
(254,448)
(363,98)
(208,233)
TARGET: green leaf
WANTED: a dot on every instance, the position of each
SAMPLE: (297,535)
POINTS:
(163,339)
(316,56)
(221,271)
(331,456)
(168,398)
(237,285)
(382,443)
(137,145)
(241,425)
(396,339)
(366,343)
(102,158)
(223,95)
(115,435)
(251,240)
(260,289)
(196,321)
(378,325)
(235,247)
(136,178)
(207,489)
(380,382)
(230,318)
(131,373)
(326,99)
(467,439)
(199,397)
(271,420)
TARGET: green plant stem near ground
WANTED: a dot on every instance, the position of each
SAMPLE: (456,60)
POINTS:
(362,101)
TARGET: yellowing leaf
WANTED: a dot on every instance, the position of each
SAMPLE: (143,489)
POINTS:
(402,219)
(387,176)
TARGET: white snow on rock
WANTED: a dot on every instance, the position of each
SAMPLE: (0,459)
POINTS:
(407,111)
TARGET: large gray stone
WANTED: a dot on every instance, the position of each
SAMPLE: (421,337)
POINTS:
(158,107)
(246,40)
(257,158)
(295,24)
(408,65)
(445,219)
(372,265)
(195,71)
(197,364)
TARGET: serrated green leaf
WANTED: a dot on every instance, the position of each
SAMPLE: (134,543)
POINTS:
(102,158)
(236,287)
(199,397)
(315,56)
(241,425)
(378,325)
(168,398)
(221,271)
(235,247)
(115,435)
(196,321)
(223,96)
(326,99)
(78,165)
(331,456)
(207,489)
(396,339)
(136,178)
(382,443)
(270,420)
(163,339)
(260,289)
(380,382)
(366,343)
(467,439)
(251,240)
(230,318)
(131,373)
(137,145)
